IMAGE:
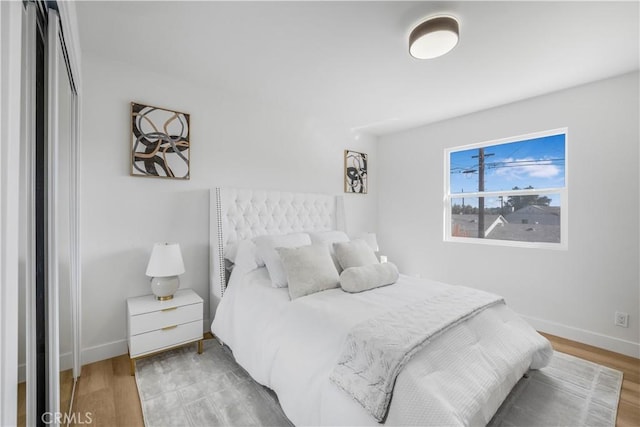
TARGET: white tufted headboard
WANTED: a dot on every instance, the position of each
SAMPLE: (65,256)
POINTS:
(238,214)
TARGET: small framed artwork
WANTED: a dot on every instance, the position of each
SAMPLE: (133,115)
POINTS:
(160,145)
(356,179)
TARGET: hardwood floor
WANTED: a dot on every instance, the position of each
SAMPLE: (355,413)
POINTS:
(109,393)
(22,405)
(66,390)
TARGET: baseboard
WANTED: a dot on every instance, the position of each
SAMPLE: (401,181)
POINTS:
(595,339)
(103,351)
(66,362)
(117,348)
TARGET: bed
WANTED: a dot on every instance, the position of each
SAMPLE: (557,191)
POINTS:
(457,375)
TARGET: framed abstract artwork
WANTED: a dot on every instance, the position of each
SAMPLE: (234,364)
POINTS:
(160,145)
(356,179)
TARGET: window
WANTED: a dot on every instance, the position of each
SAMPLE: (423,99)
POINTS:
(509,192)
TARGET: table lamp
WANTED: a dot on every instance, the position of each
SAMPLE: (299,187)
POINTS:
(165,264)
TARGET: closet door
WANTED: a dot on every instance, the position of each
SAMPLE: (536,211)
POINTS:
(33,225)
(53,211)
(63,350)
(65,221)
(11,36)
(49,220)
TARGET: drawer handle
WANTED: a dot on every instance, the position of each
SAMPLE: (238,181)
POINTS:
(169,309)
(167,328)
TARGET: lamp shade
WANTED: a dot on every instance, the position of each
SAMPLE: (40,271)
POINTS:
(434,37)
(165,260)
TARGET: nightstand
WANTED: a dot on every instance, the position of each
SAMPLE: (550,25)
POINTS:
(154,326)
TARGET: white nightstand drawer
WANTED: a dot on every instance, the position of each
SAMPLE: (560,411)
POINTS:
(171,336)
(159,319)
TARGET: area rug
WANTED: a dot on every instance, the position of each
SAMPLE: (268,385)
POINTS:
(183,388)
(568,392)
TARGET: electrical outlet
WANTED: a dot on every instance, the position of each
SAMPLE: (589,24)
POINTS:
(621,319)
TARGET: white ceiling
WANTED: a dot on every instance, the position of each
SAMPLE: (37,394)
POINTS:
(349,60)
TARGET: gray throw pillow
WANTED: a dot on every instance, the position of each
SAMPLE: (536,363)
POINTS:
(355,253)
(309,269)
(358,279)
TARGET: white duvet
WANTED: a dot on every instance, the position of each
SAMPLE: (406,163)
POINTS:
(460,378)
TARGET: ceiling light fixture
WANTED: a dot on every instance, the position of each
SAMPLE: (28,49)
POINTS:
(434,37)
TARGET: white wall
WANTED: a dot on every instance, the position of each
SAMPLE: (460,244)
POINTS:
(238,141)
(571,293)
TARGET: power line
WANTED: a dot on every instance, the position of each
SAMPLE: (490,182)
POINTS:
(501,165)
(523,163)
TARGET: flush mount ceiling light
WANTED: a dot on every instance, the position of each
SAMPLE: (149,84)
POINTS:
(434,37)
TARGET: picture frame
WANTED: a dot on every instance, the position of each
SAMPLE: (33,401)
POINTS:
(160,142)
(356,178)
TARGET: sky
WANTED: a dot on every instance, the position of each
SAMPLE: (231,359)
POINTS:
(539,162)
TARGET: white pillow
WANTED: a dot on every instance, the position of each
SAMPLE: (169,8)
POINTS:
(328,238)
(363,278)
(309,269)
(249,251)
(231,251)
(245,256)
(355,253)
(267,251)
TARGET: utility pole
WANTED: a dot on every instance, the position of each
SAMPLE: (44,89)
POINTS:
(480,189)
(481,156)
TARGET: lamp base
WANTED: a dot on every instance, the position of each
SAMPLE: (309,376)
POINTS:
(164,287)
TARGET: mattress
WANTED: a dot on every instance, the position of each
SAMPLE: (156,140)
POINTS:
(460,378)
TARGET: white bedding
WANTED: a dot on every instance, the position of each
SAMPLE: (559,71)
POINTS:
(377,349)
(461,378)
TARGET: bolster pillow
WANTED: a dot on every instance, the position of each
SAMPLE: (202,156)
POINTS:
(358,279)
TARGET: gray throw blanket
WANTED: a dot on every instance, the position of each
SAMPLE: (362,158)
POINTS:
(377,349)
